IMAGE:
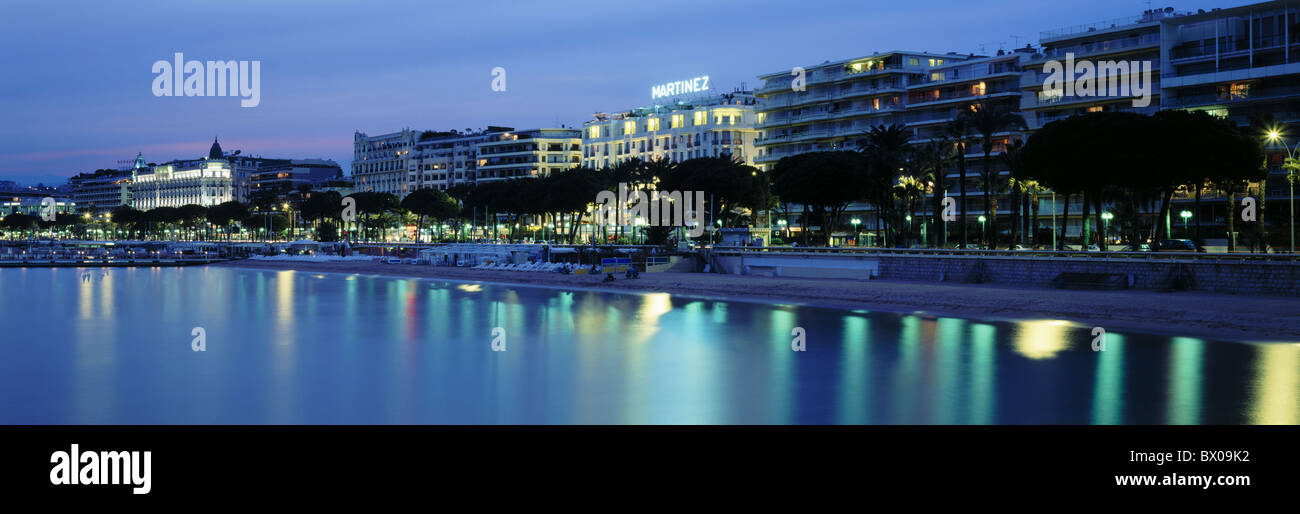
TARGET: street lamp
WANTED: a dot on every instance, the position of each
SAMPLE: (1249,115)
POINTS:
(983,236)
(1185,215)
(1291,166)
(855,222)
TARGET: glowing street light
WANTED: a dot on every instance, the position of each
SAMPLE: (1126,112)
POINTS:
(1184,215)
(855,222)
(1105,226)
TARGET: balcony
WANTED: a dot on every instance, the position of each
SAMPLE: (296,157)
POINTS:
(963,95)
(1101,27)
(1208,48)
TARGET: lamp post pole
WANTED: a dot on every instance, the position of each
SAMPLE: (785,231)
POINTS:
(1105,226)
(1291,166)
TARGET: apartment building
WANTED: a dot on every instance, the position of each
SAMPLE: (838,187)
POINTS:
(441,160)
(948,91)
(1134,39)
(837,102)
(1241,63)
(529,153)
(103,190)
(681,129)
(32,203)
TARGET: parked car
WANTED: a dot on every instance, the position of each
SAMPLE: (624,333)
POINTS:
(1180,245)
(1144,247)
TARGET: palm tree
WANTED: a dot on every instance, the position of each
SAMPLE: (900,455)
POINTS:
(959,131)
(1011,158)
(931,158)
(990,120)
(887,150)
(909,189)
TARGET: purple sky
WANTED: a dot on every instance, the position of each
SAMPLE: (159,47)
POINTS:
(76,88)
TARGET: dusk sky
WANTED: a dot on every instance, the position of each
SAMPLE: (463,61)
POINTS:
(76,89)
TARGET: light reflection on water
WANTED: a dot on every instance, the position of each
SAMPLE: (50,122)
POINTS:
(113,346)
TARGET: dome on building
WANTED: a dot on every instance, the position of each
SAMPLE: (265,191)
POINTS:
(139,161)
(215,152)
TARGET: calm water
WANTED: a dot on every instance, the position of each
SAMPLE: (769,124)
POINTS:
(114,346)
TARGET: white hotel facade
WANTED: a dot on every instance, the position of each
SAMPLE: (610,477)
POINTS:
(206,182)
(707,126)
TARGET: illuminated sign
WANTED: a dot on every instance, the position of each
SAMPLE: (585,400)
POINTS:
(695,85)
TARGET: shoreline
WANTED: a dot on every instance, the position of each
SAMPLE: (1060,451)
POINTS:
(1218,316)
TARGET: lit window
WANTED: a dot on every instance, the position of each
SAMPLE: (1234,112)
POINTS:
(913,62)
(701,117)
(678,120)
(652,124)
(629,127)
(593,132)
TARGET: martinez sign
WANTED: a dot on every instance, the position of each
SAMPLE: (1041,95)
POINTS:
(694,85)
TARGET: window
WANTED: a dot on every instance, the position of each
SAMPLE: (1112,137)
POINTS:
(593,132)
(629,127)
(652,124)
(914,62)
(701,117)
(677,121)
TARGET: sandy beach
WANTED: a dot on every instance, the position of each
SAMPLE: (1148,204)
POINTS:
(1191,314)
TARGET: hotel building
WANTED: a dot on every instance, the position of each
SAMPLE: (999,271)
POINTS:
(380,163)
(708,126)
(841,101)
(207,182)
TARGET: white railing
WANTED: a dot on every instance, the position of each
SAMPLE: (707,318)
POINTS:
(1218,258)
